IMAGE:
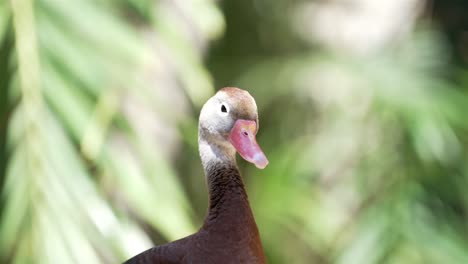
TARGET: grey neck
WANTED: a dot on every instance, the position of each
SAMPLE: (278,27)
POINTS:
(221,153)
(227,196)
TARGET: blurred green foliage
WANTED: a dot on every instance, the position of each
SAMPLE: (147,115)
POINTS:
(98,130)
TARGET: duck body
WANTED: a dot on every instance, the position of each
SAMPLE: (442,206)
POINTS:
(229,233)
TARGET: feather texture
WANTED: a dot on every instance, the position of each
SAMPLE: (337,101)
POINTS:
(229,233)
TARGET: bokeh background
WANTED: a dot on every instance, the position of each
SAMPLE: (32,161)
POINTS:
(363,113)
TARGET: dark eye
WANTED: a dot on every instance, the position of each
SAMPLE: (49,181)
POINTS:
(223,108)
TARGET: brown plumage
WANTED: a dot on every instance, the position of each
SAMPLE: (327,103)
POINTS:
(228,122)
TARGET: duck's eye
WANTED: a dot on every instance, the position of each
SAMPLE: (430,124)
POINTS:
(223,108)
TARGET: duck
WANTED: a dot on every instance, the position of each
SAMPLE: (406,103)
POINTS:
(228,124)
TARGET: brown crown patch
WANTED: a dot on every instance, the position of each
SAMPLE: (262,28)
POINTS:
(238,94)
(242,102)
(235,92)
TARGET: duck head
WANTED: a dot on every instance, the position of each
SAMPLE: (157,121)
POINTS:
(228,124)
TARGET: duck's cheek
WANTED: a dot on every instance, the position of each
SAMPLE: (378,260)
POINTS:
(242,137)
